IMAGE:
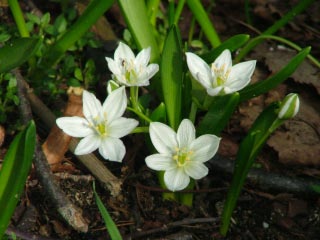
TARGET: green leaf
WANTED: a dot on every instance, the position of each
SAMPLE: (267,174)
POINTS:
(110,225)
(14,172)
(204,21)
(16,52)
(137,19)
(218,114)
(233,44)
(159,114)
(265,124)
(171,76)
(264,86)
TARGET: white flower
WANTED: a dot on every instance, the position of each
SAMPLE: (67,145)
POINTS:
(222,78)
(130,70)
(102,125)
(289,106)
(181,155)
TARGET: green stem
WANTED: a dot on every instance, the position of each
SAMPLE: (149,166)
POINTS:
(193,112)
(18,18)
(302,5)
(178,11)
(286,42)
(139,114)
(187,198)
(140,130)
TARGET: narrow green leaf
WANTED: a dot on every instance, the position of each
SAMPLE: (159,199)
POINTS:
(218,114)
(110,225)
(16,52)
(264,86)
(233,44)
(249,148)
(171,76)
(136,17)
(14,172)
(204,21)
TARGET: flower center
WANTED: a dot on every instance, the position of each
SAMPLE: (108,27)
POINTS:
(182,156)
(129,71)
(221,74)
(99,125)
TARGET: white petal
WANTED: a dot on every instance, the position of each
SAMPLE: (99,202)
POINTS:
(196,170)
(143,57)
(176,179)
(74,126)
(224,60)
(91,105)
(160,162)
(163,137)
(240,75)
(112,149)
(121,127)
(152,69)
(113,66)
(215,91)
(88,145)
(186,133)
(115,104)
(204,147)
(122,52)
(199,69)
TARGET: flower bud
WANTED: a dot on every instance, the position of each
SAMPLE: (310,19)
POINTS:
(111,86)
(289,106)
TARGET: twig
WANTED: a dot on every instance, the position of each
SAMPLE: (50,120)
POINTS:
(71,213)
(168,226)
(268,181)
(100,171)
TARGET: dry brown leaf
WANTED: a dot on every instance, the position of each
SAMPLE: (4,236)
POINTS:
(300,143)
(57,142)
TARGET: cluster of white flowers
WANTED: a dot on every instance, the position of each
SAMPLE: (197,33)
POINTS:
(180,154)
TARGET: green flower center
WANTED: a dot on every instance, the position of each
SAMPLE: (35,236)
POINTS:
(221,75)
(101,129)
(130,73)
(182,156)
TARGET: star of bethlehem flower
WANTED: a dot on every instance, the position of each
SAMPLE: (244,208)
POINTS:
(129,70)
(102,125)
(221,78)
(181,155)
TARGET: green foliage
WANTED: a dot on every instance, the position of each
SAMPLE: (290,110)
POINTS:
(110,225)
(14,172)
(171,77)
(265,124)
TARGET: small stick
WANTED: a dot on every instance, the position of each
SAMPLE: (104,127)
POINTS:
(71,213)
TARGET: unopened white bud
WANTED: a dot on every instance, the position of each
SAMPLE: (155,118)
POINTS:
(289,106)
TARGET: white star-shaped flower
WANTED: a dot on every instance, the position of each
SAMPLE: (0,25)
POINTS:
(129,70)
(181,155)
(102,125)
(221,78)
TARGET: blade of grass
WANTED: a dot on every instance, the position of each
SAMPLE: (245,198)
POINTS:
(14,172)
(204,21)
(136,17)
(110,225)
(265,124)
(18,18)
(301,6)
(264,86)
